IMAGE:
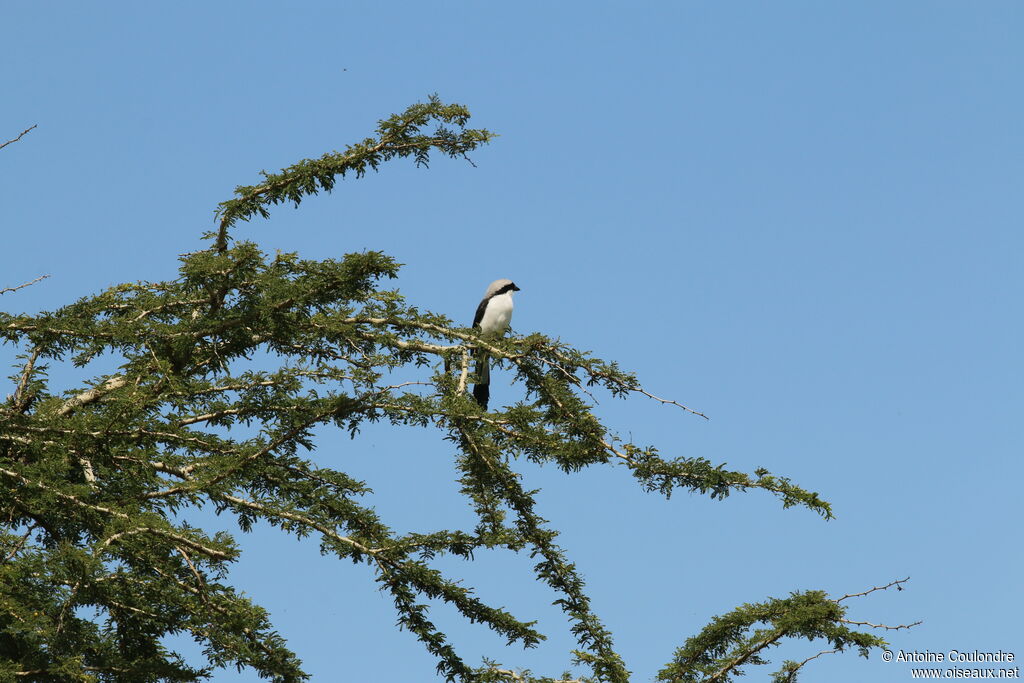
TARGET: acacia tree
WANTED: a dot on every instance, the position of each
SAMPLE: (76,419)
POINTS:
(98,561)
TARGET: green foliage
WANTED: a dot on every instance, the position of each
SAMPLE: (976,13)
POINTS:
(731,641)
(398,136)
(97,560)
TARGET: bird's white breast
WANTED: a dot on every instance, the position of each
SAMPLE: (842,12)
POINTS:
(497,315)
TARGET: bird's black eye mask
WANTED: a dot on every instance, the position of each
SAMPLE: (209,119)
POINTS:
(511,287)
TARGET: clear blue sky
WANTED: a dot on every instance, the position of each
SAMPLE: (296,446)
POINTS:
(801,218)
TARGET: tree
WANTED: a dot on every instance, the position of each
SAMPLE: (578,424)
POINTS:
(99,480)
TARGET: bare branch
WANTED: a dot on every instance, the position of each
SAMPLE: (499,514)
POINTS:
(791,674)
(673,403)
(464,372)
(91,396)
(30,282)
(888,628)
(898,583)
(19,401)
(13,140)
(823,652)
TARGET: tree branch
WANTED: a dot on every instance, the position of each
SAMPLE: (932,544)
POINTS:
(19,401)
(198,547)
(212,552)
(20,544)
(883,626)
(20,136)
(792,671)
(898,583)
(772,638)
(91,396)
(30,282)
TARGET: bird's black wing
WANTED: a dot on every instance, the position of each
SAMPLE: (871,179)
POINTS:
(482,388)
(480,312)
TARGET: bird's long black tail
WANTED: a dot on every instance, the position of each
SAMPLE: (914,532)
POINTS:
(482,388)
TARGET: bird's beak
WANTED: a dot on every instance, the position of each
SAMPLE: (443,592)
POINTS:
(514,288)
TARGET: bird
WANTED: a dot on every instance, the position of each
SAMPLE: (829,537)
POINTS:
(492,318)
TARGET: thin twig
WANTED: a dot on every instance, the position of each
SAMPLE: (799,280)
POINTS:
(823,652)
(30,282)
(517,677)
(195,572)
(886,627)
(898,583)
(791,674)
(673,403)
(13,140)
(19,546)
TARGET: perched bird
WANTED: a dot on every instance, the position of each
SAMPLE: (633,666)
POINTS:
(492,318)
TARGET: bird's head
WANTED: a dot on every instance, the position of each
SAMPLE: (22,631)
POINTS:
(501,286)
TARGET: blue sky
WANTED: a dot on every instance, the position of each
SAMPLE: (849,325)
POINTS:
(801,218)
